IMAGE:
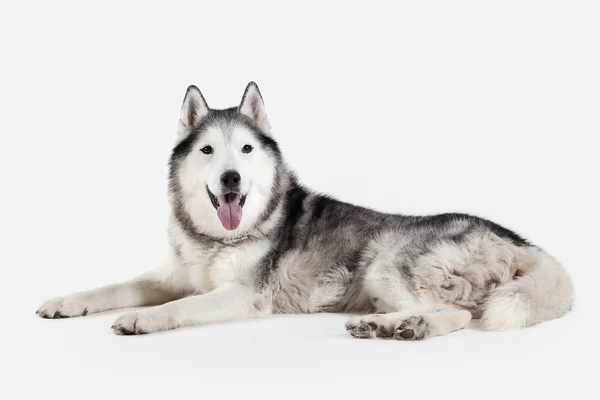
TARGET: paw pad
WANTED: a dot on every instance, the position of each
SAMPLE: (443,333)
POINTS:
(413,328)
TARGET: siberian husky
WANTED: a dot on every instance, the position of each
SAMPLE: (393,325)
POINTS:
(248,240)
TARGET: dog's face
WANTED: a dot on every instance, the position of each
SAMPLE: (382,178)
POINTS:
(224,169)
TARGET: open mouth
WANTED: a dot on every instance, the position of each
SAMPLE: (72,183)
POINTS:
(229,208)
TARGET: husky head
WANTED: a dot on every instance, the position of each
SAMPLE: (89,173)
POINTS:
(226,174)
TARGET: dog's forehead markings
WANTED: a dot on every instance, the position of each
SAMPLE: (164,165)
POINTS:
(241,133)
(226,131)
(214,132)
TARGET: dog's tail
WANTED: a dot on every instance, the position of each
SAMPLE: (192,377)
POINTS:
(540,291)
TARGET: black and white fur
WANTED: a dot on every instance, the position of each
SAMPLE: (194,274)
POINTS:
(296,251)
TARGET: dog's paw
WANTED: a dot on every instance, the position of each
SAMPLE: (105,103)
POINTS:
(63,307)
(413,328)
(369,326)
(139,323)
(360,329)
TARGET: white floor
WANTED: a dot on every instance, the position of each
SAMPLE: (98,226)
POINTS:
(292,357)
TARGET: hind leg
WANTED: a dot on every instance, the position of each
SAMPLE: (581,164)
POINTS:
(409,325)
(387,283)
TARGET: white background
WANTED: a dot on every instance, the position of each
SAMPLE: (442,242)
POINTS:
(413,107)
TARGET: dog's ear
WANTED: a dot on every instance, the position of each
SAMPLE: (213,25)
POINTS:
(253,106)
(193,109)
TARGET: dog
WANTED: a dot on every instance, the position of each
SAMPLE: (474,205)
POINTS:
(248,240)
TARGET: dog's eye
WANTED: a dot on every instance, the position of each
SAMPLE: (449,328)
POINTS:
(207,150)
(246,149)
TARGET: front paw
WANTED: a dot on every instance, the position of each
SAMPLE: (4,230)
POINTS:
(139,323)
(63,307)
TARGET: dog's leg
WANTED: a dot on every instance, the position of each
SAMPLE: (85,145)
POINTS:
(409,325)
(228,302)
(149,289)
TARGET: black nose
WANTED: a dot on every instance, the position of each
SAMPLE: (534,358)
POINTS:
(230,180)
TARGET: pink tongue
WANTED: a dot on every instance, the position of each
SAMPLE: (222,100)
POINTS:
(230,212)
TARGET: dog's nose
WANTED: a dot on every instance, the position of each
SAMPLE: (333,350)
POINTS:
(231,180)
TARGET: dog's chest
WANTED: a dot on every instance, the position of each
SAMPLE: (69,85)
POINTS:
(238,263)
(206,267)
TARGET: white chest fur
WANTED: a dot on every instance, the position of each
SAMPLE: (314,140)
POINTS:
(204,267)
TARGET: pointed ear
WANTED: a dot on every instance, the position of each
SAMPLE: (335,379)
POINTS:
(253,106)
(193,109)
